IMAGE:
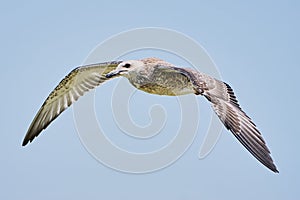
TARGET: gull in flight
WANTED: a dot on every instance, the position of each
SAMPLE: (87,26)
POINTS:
(155,76)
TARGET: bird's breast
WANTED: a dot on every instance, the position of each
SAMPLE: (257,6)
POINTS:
(174,86)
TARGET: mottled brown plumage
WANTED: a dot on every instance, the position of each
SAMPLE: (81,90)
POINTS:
(156,76)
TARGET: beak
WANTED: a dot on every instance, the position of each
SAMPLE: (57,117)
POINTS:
(113,73)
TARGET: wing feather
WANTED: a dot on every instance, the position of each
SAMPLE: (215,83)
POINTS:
(239,123)
(226,106)
(74,85)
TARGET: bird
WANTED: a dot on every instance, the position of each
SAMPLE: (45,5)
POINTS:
(155,76)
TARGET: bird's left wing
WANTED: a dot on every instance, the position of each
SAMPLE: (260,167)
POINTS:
(74,85)
(226,106)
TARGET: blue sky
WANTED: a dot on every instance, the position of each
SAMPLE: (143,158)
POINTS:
(255,46)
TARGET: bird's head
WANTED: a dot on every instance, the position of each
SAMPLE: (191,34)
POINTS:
(126,68)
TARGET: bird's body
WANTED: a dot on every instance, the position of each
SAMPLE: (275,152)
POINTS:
(156,76)
(155,80)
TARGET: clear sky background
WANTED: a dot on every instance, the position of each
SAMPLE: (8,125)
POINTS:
(255,46)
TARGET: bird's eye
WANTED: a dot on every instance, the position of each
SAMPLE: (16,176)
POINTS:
(127,65)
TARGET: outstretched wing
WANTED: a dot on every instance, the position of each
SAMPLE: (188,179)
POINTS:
(237,121)
(226,106)
(74,85)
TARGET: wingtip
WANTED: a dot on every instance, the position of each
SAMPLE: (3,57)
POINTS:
(24,143)
(272,167)
(26,140)
(275,170)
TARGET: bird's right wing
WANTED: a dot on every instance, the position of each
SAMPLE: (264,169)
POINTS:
(74,85)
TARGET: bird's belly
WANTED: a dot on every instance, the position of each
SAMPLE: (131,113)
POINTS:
(165,90)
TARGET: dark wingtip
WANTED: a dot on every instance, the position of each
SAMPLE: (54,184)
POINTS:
(271,166)
(274,169)
(25,142)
